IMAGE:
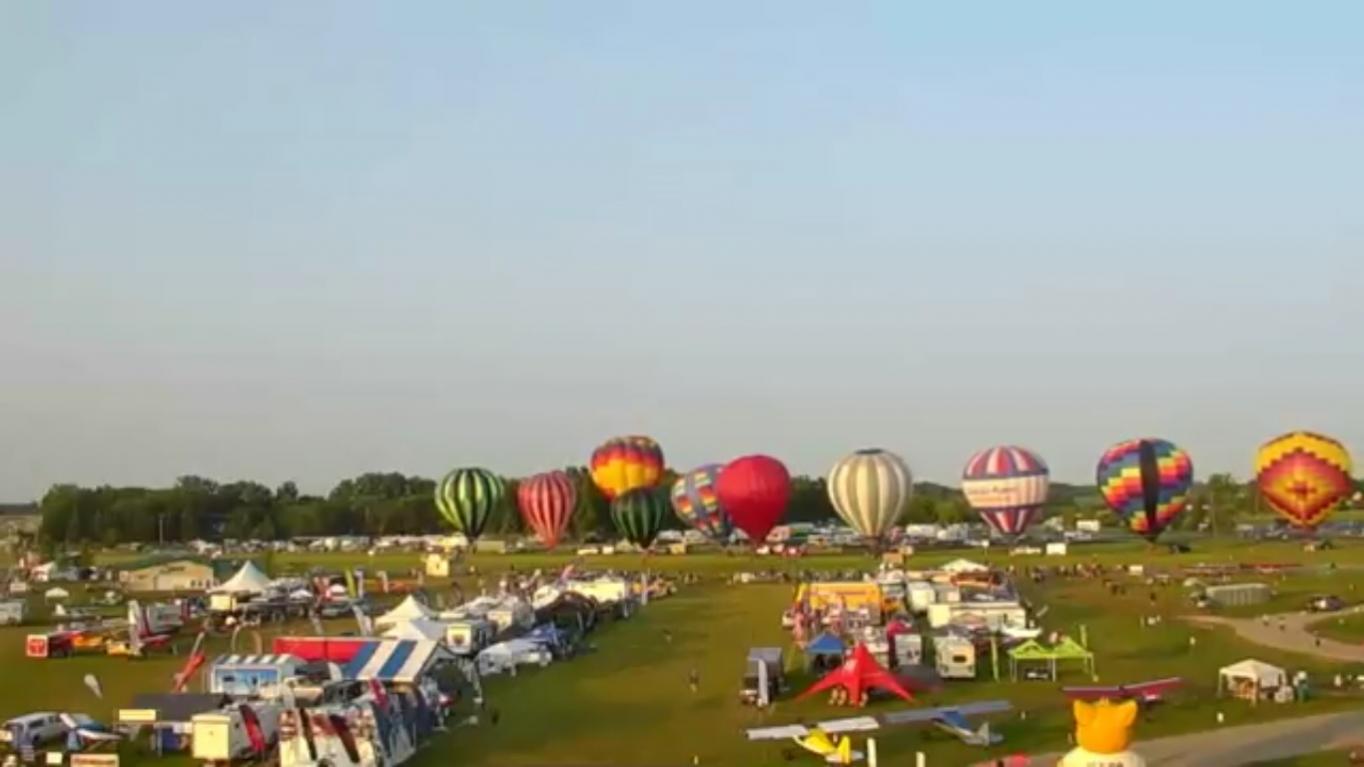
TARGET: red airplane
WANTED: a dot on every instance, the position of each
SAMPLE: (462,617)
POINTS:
(1146,693)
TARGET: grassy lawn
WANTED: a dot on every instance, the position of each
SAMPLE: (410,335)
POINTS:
(1343,626)
(627,701)
(1323,759)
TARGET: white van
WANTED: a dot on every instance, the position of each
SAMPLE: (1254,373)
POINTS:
(36,729)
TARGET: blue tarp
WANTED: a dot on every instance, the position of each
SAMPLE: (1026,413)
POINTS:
(825,644)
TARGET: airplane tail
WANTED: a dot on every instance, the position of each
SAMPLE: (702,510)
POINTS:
(137,626)
(844,751)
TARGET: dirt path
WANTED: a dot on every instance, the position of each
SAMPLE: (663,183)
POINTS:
(1287,632)
(1246,744)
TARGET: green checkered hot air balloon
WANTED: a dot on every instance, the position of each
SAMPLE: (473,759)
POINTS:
(639,515)
(467,499)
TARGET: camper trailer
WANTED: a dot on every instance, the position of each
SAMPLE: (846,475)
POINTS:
(920,594)
(470,635)
(251,676)
(12,612)
(234,732)
(764,677)
(955,657)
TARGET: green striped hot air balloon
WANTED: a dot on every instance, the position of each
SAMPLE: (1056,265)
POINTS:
(639,514)
(467,499)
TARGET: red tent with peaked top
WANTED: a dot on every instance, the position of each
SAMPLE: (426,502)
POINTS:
(858,674)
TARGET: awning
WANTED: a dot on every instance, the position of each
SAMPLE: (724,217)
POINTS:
(254,660)
(393,660)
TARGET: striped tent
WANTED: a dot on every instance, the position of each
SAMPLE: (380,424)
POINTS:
(1007,486)
(394,660)
(467,498)
(869,490)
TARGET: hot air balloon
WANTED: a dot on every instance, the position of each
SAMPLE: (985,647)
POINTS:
(546,502)
(1303,476)
(754,490)
(467,499)
(696,502)
(1145,482)
(623,464)
(1007,486)
(869,490)
(639,514)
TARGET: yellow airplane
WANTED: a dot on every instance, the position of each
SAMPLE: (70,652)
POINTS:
(834,752)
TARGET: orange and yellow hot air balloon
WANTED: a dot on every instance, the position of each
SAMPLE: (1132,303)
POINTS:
(623,464)
(1302,476)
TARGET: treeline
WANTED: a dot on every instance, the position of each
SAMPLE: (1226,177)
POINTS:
(396,504)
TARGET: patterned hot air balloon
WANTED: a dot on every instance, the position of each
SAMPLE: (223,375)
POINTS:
(869,490)
(696,502)
(623,464)
(547,502)
(467,498)
(1303,476)
(754,490)
(1145,482)
(1007,486)
(639,514)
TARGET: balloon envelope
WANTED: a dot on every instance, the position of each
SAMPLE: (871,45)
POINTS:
(623,464)
(547,502)
(1146,482)
(1007,485)
(697,503)
(754,490)
(639,514)
(467,498)
(869,490)
(1303,476)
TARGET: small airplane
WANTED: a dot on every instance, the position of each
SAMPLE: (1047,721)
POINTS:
(1145,693)
(141,637)
(950,719)
(84,732)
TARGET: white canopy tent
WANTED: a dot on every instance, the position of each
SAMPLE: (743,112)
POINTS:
(407,610)
(417,628)
(1250,679)
(248,580)
(56,593)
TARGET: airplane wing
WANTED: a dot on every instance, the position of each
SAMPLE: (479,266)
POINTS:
(954,720)
(830,727)
(779,733)
(949,714)
(1155,688)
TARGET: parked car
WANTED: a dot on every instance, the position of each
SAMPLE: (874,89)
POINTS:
(1325,603)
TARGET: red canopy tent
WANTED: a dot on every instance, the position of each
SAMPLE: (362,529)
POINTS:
(858,674)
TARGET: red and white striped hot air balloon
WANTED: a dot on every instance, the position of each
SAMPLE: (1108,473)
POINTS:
(1007,486)
(547,502)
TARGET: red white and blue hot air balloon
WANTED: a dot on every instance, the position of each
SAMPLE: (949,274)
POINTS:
(1007,486)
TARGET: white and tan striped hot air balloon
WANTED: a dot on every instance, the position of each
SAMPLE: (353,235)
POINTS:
(870,490)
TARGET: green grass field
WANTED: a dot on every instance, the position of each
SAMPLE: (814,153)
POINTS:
(627,700)
(1342,627)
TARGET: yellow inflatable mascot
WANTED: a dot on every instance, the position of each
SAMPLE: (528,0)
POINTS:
(1103,731)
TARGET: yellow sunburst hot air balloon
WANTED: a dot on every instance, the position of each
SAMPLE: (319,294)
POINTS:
(623,464)
(1303,476)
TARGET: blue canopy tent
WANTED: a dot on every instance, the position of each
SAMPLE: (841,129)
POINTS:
(825,650)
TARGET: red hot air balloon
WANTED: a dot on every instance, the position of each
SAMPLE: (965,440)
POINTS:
(754,490)
(547,502)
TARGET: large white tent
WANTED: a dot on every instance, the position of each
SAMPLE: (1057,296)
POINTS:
(407,610)
(1250,679)
(248,580)
(417,628)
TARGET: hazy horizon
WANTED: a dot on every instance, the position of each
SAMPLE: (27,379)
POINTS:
(305,240)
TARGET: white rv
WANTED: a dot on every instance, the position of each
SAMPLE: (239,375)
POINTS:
(955,657)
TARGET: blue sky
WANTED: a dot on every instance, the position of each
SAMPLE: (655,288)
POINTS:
(303,240)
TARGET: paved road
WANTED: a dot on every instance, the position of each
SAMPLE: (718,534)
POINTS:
(1237,746)
(1292,637)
